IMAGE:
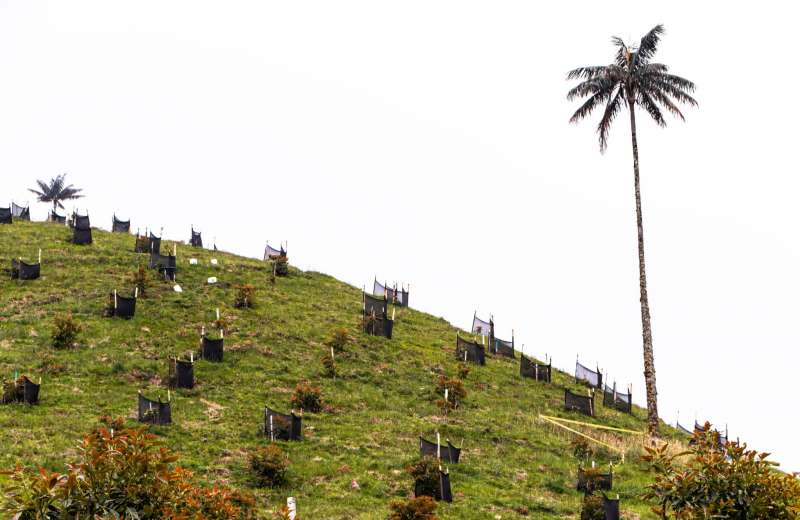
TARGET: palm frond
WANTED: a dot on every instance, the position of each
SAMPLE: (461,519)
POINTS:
(612,109)
(593,102)
(651,107)
(649,44)
(588,72)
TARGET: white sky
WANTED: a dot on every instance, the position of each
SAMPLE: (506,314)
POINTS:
(428,142)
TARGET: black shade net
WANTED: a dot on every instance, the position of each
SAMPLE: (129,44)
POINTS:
(212,349)
(469,351)
(446,453)
(120,226)
(5,216)
(504,348)
(617,400)
(587,375)
(20,212)
(197,239)
(590,482)
(579,403)
(154,412)
(81,237)
(181,373)
(21,270)
(124,306)
(278,426)
(534,369)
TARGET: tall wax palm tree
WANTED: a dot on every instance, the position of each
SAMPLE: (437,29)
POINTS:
(633,81)
(56,191)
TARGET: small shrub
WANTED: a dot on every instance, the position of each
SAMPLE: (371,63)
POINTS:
(328,365)
(120,473)
(592,508)
(65,331)
(711,480)
(594,479)
(307,397)
(581,448)
(420,508)
(269,465)
(140,279)
(463,371)
(425,473)
(455,392)
(283,514)
(339,340)
(245,296)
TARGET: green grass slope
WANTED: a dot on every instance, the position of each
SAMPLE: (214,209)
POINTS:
(513,465)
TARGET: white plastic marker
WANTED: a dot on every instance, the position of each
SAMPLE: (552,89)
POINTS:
(177,288)
(291,505)
(212,280)
(213,261)
(193,261)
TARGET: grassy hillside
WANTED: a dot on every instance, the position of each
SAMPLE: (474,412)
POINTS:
(513,465)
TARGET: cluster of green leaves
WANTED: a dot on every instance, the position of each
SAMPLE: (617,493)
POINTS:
(456,393)
(65,331)
(425,472)
(121,473)
(245,296)
(307,397)
(419,508)
(711,480)
(269,465)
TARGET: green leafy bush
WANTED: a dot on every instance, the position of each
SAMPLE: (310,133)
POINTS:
(307,397)
(456,392)
(328,365)
(710,480)
(581,448)
(281,265)
(592,508)
(339,340)
(463,371)
(65,331)
(425,473)
(420,508)
(245,296)
(269,465)
(120,473)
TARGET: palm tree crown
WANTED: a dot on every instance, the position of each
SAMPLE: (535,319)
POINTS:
(631,79)
(56,191)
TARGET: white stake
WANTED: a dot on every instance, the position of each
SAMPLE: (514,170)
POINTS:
(169,396)
(40,255)
(217,313)
(222,334)
(291,505)
(446,392)
(438,447)
(115,298)
(136,292)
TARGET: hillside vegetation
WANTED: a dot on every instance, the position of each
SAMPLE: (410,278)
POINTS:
(350,463)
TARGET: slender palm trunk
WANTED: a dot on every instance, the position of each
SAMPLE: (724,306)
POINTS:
(647,336)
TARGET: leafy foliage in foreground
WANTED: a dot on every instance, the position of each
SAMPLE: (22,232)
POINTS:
(720,481)
(121,473)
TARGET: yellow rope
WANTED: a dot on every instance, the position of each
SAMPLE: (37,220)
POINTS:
(576,432)
(590,425)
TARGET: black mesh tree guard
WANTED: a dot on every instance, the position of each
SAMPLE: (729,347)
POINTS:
(534,369)
(120,226)
(393,295)
(5,216)
(469,351)
(166,265)
(278,426)
(586,375)
(81,237)
(24,271)
(20,390)
(504,348)
(270,253)
(682,429)
(579,403)
(197,239)
(55,217)
(442,493)
(154,245)
(212,349)
(611,508)
(591,482)
(147,243)
(375,325)
(617,400)
(445,453)
(154,412)
(375,305)
(123,306)
(80,221)
(20,212)
(181,373)
(480,327)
